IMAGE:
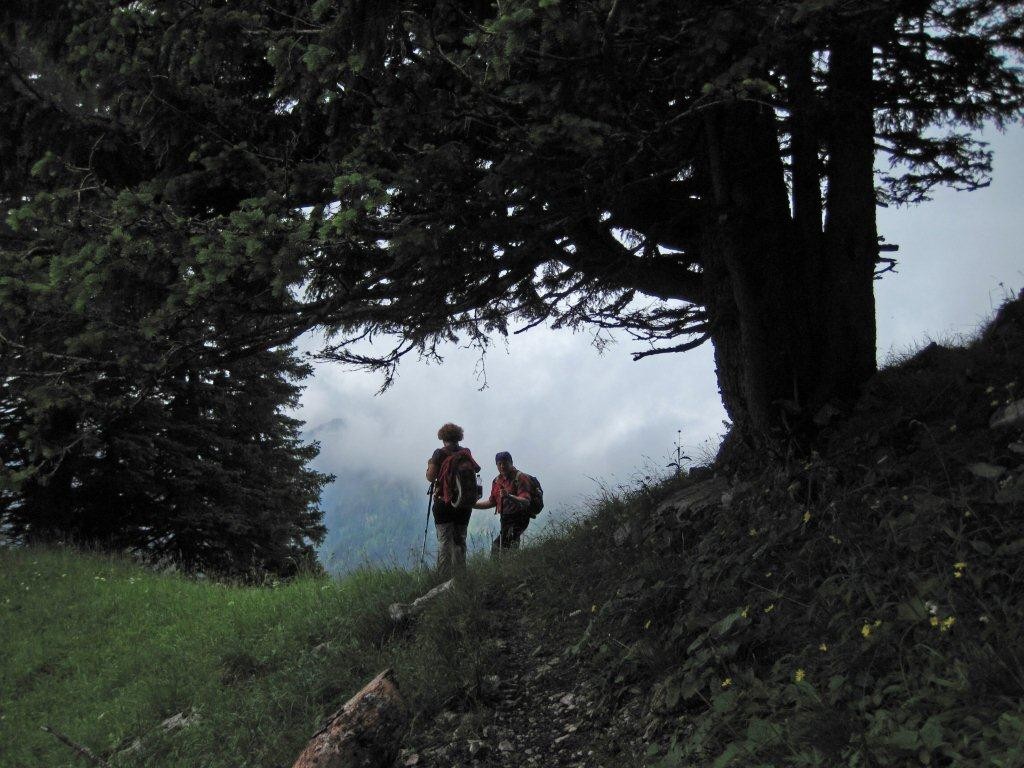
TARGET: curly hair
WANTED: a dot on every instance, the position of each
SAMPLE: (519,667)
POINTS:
(450,433)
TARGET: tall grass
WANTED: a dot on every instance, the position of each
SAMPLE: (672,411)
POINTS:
(103,651)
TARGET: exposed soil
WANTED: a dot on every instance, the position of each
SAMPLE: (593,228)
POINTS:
(543,709)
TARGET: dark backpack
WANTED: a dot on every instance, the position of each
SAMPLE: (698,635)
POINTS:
(536,495)
(460,484)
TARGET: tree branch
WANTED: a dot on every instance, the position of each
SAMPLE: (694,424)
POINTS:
(678,348)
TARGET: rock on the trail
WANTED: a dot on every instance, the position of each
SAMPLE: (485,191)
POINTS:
(1012,491)
(696,496)
(986,471)
(1010,416)
(477,749)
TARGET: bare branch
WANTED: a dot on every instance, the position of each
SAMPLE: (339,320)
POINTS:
(678,348)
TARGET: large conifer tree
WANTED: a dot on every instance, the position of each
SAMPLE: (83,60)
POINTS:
(144,383)
(688,171)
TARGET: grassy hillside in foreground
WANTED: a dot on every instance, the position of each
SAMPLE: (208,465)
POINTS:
(103,651)
(858,607)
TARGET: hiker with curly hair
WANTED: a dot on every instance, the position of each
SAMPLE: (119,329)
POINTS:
(452,473)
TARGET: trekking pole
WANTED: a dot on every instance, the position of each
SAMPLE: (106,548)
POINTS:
(430,502)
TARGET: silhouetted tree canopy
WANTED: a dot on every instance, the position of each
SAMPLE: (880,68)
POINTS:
(686,171)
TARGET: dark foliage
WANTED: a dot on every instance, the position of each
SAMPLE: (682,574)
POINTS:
(857,607)
(205,181)
(142,396)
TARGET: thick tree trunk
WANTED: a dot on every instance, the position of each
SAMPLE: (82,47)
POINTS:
(757,275)
(792,305)
(851,234)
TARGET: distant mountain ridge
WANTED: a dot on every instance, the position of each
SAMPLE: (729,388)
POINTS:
(377,519)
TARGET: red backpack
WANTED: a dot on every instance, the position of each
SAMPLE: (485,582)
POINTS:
(459,482)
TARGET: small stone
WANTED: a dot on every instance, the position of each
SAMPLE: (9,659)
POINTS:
(1010,416)
(413,759)
(505,745)
(736,493)
(478,750)
(986,471)
(1017,448)
(447,717)
(1012,491)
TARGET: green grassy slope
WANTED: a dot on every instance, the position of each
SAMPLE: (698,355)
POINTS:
(103,651)
(860,607)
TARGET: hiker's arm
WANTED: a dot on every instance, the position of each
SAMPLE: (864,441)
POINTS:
(488,503)
(431,471)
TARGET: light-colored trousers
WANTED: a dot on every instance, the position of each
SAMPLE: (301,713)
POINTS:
(451,549)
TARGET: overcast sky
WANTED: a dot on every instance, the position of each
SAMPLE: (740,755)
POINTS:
(577,418)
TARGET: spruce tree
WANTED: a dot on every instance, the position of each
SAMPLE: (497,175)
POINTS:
(144,376)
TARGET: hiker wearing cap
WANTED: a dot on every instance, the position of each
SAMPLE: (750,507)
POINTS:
(510,497)
(451,472)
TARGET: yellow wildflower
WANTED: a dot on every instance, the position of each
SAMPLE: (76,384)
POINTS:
(799,675)
(752,531)
(593,609)
(807,516)
(947,623)
(934,621)
(647,624)
(727,682)
(745,611)
(823,647)
(770,608)
(866,630)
